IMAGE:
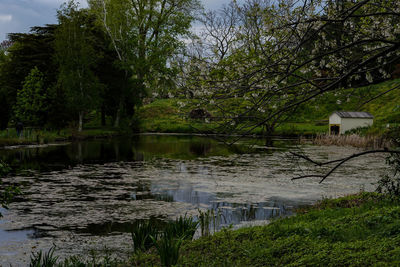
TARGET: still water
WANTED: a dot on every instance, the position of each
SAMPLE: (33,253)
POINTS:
(85,196)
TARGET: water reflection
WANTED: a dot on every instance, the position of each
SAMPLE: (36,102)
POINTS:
(98,189)
(138,148)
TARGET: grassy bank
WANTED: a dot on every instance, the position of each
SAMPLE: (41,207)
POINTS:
(37,136)
(357,230)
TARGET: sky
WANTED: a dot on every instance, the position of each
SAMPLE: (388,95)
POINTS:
(20,15)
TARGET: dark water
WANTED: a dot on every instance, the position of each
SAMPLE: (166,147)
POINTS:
(88,194)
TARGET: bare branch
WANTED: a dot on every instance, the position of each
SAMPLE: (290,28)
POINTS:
(338,161)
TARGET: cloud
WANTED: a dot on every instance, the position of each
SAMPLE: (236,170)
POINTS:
(5,17)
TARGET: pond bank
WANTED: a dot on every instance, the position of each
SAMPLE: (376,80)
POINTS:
(42,137)
(82,195)
(359,230)
(354,140)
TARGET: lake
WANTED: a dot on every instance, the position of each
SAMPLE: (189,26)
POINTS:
(83,197)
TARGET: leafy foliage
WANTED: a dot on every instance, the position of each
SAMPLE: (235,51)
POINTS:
(77,57)
(31,105)
(390,183)
(355,230)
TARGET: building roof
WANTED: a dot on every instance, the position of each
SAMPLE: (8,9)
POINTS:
(354,114)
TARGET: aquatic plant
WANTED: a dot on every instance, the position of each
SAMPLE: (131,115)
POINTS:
(40,259)
(142,234)
(206,220)
(168,249)
(354,140)
(184,227)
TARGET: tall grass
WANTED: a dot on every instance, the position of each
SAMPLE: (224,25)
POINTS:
(166,239)
(168,249)
(143,234)
(208,220)
(184,227)
(354,140)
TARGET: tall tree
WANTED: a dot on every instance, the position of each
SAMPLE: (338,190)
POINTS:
(298,51)
(32,102)
(145,35)
(77,59)
(25,51)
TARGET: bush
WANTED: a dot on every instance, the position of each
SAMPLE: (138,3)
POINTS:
(390,183)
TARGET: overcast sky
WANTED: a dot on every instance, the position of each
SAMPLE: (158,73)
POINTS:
(20,15)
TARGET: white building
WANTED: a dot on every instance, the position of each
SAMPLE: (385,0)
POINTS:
(342,121)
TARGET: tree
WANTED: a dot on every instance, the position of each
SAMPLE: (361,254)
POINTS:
(32,103)
(307,48)
(25,51)
(145,34)
(4,109)
(76,56)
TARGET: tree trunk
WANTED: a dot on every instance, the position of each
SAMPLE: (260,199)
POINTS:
(119,111)
(80,121)
(269,129)
(103,115)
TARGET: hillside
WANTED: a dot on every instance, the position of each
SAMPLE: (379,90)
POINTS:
(172,115)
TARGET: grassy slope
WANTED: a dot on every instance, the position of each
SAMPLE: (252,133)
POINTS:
(165,115)
(357,230)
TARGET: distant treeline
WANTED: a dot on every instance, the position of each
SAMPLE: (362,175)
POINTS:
(103,60)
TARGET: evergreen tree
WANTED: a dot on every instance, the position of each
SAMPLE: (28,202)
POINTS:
(31,105)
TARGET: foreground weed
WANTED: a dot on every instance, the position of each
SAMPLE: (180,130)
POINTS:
(142,235)
(183,227)
(168,249)
(207,220)
(41,259)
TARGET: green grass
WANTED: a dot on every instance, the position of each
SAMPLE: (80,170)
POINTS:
(167,115)
(305,128)
(358,230)
(385,109)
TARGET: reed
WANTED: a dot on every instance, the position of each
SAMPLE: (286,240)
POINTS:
(168,249)
(143,234)
(208,221)
(184,227)
(374,142)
